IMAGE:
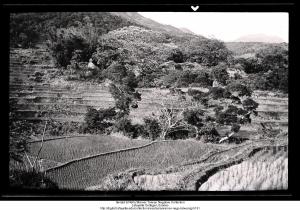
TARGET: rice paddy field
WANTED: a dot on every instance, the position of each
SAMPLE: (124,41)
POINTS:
(60,150)
(63,150)
(267,171)
(157,156)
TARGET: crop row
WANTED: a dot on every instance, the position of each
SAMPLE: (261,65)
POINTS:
(89,172)
(63,150)
(267,172)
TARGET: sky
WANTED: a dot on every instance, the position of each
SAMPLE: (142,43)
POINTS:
(226,26)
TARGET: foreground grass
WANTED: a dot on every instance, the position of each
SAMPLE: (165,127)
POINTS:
(265,172)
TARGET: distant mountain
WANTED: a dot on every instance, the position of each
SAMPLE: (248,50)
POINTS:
(153,25)
(259,38)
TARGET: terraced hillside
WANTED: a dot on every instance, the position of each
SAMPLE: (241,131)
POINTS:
(94,164)
(39,94)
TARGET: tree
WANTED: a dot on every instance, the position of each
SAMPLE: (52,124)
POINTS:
(149,72)
(209,133)
(208,52)
(97,121)
(220,74)
(194,118)
(270,66)
(123,84)
(219,93)
(116,72)
(125,126)
(198,96)
(64,43)
(249,104)
(170,120)
(176,56)
(273,57)
(238,89)
(203,79)
(250,65)
(110,51)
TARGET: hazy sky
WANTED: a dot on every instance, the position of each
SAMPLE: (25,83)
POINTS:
(225,26)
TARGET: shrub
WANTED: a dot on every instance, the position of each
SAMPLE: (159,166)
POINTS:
(250,65)
(277,79)
(125,98)
(208,133)
(30,180)
(186,77)
(241,89)
(235,128)
(176,56)
(198,96)
(249,104)
(218,108)
(19,133)
(152,128)
(209,119)
(170,80)
(97,121)
(194,117)
(220,74)
(219,93)
(125,126)
(259,81)
(178,134)
(203,79)
(228,117)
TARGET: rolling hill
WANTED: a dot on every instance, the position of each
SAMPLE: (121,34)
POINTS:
(153,25)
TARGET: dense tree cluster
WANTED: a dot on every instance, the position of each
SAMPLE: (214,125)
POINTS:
(268,70)
(27,29)
(123,84)
(209,52)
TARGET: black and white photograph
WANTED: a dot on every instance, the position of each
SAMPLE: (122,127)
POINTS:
(148,101)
